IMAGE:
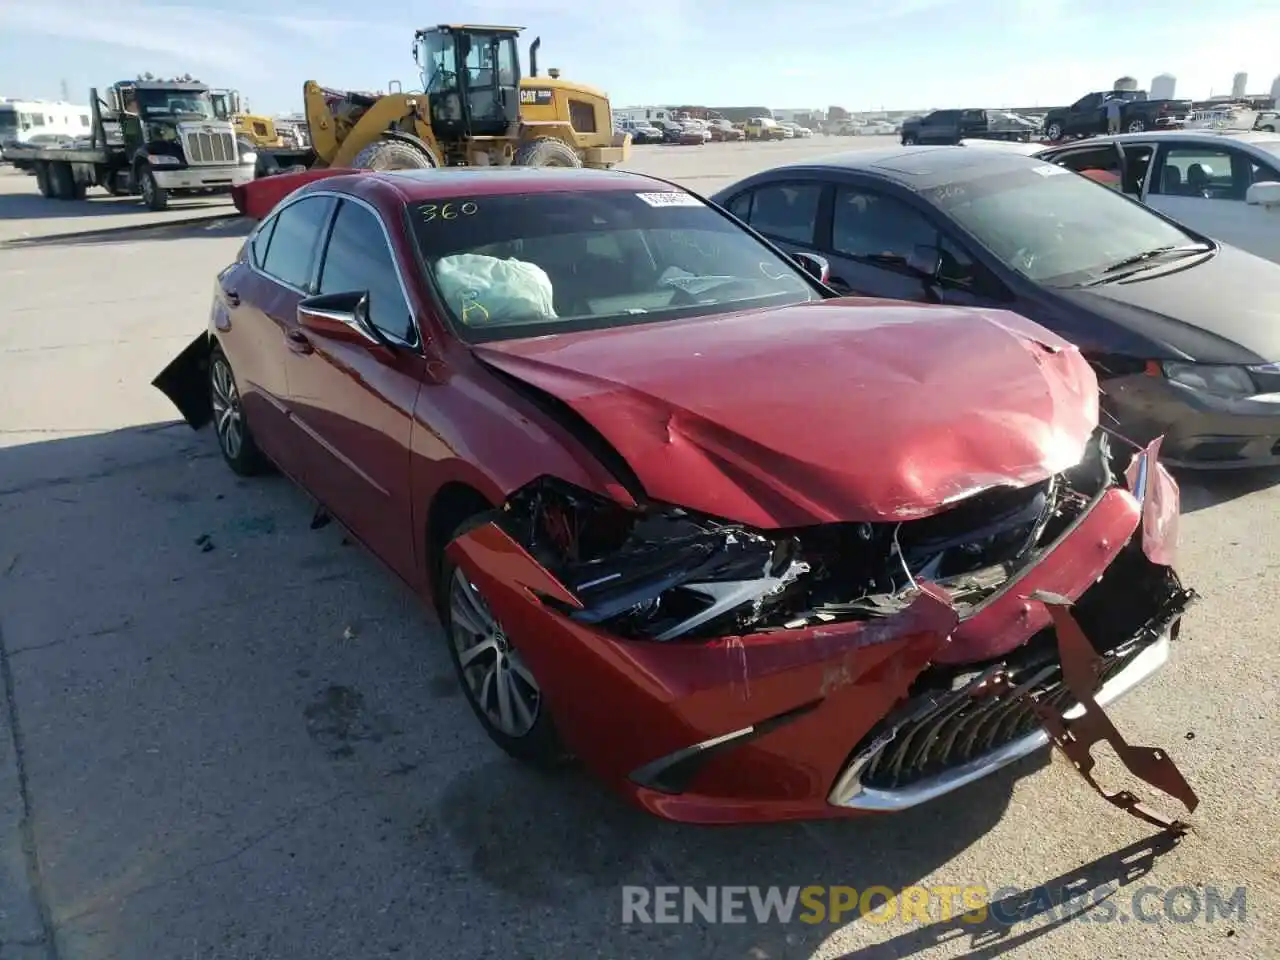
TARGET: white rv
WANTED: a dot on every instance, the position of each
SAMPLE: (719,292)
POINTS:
(41,121)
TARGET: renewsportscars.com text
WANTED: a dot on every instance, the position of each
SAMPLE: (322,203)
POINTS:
(976,904)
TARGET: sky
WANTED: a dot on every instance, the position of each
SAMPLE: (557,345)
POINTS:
(858,54)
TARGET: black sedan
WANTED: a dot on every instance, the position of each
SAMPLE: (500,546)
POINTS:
(1184,331)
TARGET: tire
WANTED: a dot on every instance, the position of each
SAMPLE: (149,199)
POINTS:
(1053,131)
(909,140)
(62,182)
(235,440)
(1268,129)
(537,743)
(154,196)
(393,155)
(43,183)
(1136,126)
(546,152)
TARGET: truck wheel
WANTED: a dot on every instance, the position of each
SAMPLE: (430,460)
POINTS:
(62,182)
(393,155)
(909,140)
(546,152)
(1136,126)
(1054,131)
(43,183)
(154,196)
(1268,129)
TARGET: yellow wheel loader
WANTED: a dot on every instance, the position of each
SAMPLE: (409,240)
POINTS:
(475,109)
(250,127)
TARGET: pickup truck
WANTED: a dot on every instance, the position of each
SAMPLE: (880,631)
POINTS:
(951,126)
(1088,116)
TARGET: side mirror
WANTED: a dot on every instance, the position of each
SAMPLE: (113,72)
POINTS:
(926,261)
(342,316)
(817,267)
(1264,194)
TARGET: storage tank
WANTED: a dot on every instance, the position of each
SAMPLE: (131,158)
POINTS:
(1125,83)
(1275,93)
(1239,86)
(1163,86)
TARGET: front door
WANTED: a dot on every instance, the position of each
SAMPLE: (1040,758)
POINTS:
(354,401)
(874,237)
(1205,186)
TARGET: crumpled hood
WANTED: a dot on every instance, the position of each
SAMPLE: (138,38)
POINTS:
(839,410)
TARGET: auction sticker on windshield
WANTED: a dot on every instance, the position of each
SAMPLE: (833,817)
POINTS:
(669,199)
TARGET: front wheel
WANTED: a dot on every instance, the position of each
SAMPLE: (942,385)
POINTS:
(500,688)
(154,196)
(1053,131)
(909,140)
(234,438)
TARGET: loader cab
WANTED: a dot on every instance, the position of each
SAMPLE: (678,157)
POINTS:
(471,76)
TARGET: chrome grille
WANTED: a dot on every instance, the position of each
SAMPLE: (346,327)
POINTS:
(217,147)
(962,727)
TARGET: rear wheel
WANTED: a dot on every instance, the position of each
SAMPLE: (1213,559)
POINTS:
(393,155)
(909,140)
(234,438)
(1053,131)
(546,152)
(500,688)
(1136,125)
(43,183)
(1268,129)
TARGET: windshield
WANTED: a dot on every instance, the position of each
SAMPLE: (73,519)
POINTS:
(1043,221)
(8,120)
(175,103)
(536,264)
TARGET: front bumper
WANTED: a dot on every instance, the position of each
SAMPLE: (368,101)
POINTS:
(198,177)
(771,726)
(1200,431)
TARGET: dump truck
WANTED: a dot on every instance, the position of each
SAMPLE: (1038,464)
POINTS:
(475,109)
(150,138)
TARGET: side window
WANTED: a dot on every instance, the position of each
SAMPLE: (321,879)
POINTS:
(358,258)
(740,206)
(1087,102)
(1137,159)
(294,239)
(1262,173)
(879,229)
(786,211)
(261,242)
(1205,172)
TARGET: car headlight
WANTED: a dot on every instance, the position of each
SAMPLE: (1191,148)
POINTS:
(163,160)
(248,157)
(1221,380)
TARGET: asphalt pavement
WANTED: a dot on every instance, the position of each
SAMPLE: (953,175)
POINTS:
(225,735)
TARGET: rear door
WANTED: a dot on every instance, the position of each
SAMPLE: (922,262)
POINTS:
(785,211)
(1205,186)
(260,299)
(354,400)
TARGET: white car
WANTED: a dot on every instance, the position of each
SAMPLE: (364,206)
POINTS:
(797,130)
(1223,184)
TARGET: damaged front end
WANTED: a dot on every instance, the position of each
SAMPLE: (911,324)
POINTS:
(836,668)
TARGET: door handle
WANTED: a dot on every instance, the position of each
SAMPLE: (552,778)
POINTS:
(299,342)
(232,297)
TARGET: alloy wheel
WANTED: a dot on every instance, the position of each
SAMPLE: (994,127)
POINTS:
(228,418)
(499,682)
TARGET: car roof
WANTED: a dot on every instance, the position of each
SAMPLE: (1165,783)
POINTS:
(919,168)
(412,186)
(1250,137)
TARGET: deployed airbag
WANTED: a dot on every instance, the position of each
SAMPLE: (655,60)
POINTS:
(484,290)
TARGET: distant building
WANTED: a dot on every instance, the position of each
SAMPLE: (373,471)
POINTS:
(1239,86)
(1163,86)
(1125,83)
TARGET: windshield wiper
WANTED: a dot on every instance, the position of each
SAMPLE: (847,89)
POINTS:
(1185,249)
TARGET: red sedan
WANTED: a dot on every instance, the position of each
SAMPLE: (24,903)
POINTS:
(747,550)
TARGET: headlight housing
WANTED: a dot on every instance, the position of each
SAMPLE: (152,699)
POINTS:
(1220,380)
(248,156)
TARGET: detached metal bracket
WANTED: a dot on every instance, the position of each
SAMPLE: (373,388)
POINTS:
(1075,738)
